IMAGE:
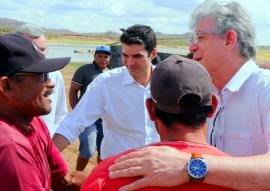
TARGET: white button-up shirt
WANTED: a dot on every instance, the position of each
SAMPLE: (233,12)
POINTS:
(242,127)
(59,104)
(119,100)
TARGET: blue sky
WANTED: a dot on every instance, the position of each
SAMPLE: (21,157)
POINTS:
(166,16)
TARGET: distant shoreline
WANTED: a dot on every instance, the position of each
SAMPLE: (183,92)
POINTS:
(263,52)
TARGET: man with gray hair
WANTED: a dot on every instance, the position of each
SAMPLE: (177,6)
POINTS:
(59,105)
(224,43)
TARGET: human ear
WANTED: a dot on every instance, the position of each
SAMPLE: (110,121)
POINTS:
(153,54)
(231,38)
(6,87)
(150,105)
(214,104)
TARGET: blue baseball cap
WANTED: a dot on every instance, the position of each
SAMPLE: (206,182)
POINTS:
(105,49)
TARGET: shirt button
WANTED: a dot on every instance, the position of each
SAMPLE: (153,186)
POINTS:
(220,137)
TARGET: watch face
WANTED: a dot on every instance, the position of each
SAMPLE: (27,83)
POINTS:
(197,168)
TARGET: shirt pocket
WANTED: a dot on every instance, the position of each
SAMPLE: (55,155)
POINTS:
(239,144)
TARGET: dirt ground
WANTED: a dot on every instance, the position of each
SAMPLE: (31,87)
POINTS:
(71,152)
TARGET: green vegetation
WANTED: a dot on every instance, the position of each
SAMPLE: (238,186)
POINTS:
(172,42)
(51,36)
(5,30)
(75,65)
(263,53)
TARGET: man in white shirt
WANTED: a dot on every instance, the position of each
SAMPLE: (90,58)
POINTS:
(224,43)
(118,97)
(59,105)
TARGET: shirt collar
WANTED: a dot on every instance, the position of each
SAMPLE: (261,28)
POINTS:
(241,76)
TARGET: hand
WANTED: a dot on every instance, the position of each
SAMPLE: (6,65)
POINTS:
(161,166)
(77,178)
(72,181)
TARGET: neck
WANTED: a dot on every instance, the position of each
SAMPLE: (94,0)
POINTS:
(184,133)
(16,118)
(224,74)
(195,138)
(144,78)
(105,69)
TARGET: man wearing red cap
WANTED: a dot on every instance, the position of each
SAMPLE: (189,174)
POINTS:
(179,111)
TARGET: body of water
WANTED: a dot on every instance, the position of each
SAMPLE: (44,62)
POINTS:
(86,55)
(68,50)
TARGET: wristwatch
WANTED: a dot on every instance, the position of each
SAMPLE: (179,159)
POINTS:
(196,168)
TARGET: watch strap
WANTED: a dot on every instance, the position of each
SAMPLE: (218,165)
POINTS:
(195,156)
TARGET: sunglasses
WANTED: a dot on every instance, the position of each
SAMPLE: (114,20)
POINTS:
(43,77)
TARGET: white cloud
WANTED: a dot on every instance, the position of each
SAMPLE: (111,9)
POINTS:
(167,16)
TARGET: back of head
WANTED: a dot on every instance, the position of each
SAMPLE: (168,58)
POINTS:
(182,88)
(141,35)
(33,31)
(228,16)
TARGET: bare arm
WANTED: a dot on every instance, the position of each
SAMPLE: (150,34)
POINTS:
(160,165)
(60,141)
(73,94)
(240,173)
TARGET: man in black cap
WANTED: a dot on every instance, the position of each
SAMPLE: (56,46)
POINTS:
(28,158)
(181,100)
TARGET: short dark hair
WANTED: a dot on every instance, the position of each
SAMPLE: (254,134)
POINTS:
(141,35)
(192,120)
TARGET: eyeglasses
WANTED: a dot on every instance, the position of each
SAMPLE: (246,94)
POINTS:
(43,77)
(195,37)
(41,49)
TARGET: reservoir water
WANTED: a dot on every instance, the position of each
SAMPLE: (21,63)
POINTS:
(86,55)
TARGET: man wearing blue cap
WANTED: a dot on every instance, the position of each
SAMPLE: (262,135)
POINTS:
(91,137)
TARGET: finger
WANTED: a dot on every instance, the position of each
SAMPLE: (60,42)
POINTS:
(138,184)
(128,172)
(126,164)
(138,153)
(132,155)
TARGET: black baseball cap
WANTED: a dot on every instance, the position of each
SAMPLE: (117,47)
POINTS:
(19,54)
(176,77)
